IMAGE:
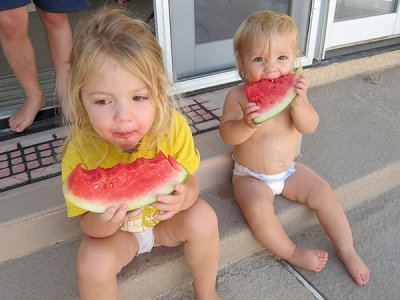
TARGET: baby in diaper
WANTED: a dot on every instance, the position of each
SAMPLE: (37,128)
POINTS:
(266,47)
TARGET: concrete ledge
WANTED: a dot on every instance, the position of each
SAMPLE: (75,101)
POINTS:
(35,233)
(166,266)
(34,216)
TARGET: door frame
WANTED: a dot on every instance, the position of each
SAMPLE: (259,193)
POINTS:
(353,31)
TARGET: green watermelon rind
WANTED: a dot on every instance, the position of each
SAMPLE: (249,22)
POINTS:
(291,94)
(278,109)
(100,207)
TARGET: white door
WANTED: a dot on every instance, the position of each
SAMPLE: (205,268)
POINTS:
(199,36)
(355,21)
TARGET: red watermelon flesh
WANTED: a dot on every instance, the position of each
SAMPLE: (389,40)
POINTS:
(272,95)
(136,184)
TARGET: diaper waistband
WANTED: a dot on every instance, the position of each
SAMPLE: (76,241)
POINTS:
(242,170)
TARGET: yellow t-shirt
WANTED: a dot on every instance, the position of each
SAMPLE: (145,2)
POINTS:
(180,146)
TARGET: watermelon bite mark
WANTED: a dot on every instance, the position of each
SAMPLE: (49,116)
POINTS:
(136,184)
(272,95)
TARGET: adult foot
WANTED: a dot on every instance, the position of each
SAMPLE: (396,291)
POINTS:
(309,259)
(209,294)
(24,117)
(355,266)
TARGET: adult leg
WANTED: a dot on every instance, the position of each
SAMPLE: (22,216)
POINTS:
(255,199)
(59,40)
(197,229)
(99,260)
(307,187)
(19,52)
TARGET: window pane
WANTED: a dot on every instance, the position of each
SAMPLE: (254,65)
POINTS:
(353,9)
(218,20)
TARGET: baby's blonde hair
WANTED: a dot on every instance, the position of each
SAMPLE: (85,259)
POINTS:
(111,32)
(259,28)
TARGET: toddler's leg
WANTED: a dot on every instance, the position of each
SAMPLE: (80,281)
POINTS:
(99,261)
(197,228)
(256,201)
(307,187)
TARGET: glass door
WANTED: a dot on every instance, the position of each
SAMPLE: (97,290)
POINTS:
(354,21)
(200,52)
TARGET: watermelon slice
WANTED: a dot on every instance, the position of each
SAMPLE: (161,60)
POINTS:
(136,184)
(272,95)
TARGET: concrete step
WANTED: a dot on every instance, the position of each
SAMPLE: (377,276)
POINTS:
(49,273)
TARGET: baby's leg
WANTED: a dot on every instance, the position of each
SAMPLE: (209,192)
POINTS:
(255,199)
(197,228)
(309,188)
(99,261)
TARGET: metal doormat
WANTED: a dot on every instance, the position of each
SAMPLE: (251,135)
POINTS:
(201,115)
(24,163)
(34,160)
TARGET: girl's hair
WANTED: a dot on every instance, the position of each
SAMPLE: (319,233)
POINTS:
(260,28)
(111,32)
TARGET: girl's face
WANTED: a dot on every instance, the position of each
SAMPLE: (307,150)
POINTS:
(279,60)
(118,105)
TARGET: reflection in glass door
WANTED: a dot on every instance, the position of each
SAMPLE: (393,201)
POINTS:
(202,31)
(352,21)
(353,9)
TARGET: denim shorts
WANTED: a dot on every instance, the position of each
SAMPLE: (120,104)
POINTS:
(55,6)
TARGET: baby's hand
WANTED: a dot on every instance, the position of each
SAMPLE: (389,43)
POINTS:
(119,216)
(301,85)
(171,204)
(249,113)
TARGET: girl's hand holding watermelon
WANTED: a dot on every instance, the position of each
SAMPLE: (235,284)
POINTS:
(105,224)
(183,197)
(118,216)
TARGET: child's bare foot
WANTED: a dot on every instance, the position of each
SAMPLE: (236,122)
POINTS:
(24,117)
(309,259)
(355,266)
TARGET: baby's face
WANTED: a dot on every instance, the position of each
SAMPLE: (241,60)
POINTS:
(279,60)
(119,105)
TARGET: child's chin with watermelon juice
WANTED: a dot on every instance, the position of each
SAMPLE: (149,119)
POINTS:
(122,108)
(265,47)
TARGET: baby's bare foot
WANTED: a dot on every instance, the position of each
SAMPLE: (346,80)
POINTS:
(355,266)
(309,259)
(24,117)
